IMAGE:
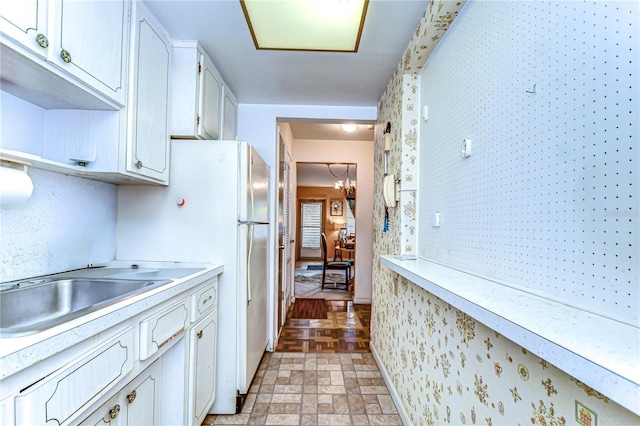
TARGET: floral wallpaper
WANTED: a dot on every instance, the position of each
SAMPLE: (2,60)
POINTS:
(446,367)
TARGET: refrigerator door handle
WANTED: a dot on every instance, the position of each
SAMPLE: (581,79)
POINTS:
(249,265)
(251,214)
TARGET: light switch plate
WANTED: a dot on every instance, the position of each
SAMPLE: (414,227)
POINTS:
(435,219)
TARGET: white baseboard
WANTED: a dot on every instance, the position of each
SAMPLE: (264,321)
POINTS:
(361,300)
(392,390)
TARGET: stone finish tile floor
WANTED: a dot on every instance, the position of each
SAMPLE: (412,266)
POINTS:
(315,389)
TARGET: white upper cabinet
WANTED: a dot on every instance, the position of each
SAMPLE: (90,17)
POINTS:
(196,93)
(89,39)
(84,132)
(25,21)
(148,129)
(229,115)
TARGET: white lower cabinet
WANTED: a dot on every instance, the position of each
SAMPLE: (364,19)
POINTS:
(60,397)
(137,404)
(202,368)
(153,368)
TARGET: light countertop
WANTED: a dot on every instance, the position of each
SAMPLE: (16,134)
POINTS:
(18,353)
(598,351)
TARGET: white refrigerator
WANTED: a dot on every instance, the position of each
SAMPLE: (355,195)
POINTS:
(215,209)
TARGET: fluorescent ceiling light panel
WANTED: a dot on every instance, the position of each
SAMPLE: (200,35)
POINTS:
(318,25)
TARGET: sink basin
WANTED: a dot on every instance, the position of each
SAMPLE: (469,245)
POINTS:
(38,306)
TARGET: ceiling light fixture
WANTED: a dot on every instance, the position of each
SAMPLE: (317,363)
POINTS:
(349,128)
(346,186)
(316,25)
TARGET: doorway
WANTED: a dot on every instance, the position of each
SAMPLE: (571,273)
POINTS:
(325,206)
(310,228)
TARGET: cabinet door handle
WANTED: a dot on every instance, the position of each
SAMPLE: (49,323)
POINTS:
(66,56)
(132,396)
(42,40)
(139,164)
(199,334)
(113,413)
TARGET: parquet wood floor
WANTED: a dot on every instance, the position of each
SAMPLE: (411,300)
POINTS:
(346,330)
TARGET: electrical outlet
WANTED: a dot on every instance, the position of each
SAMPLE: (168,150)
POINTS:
(585,416)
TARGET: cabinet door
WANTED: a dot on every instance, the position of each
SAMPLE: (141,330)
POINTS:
(142,398)
(136,404)
(202,374)
(90,40)
(229,115)
(25,21)
(148,133)
(210,100)
(186,70)
(109,413)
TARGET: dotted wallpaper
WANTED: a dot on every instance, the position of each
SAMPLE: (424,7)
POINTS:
(549,198)
(446,367)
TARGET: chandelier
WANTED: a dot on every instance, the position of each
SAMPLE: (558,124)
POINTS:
(346,186)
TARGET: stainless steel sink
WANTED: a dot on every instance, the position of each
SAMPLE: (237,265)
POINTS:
(33,306)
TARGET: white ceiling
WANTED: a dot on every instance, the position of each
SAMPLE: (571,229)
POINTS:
(294,77)
(330,131)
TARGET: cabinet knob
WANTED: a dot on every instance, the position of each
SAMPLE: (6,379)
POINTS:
(113,413)
(199,334)
(42,40)
(138,164)
(132,396)
(66,56)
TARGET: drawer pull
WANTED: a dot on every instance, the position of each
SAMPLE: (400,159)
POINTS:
(113,413)
(207,299)
(199,334)
(132,396)
(66,56)
(42,40)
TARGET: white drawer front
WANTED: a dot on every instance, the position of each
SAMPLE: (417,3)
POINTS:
(158,329)
(59,398)
(203,301)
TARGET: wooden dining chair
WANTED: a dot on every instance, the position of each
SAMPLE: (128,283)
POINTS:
(330,266)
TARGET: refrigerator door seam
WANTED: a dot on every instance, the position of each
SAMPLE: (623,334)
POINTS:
(248,268)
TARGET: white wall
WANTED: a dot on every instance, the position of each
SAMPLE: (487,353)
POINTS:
(67,224)
(360,153)
(548,199)
(257,124)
